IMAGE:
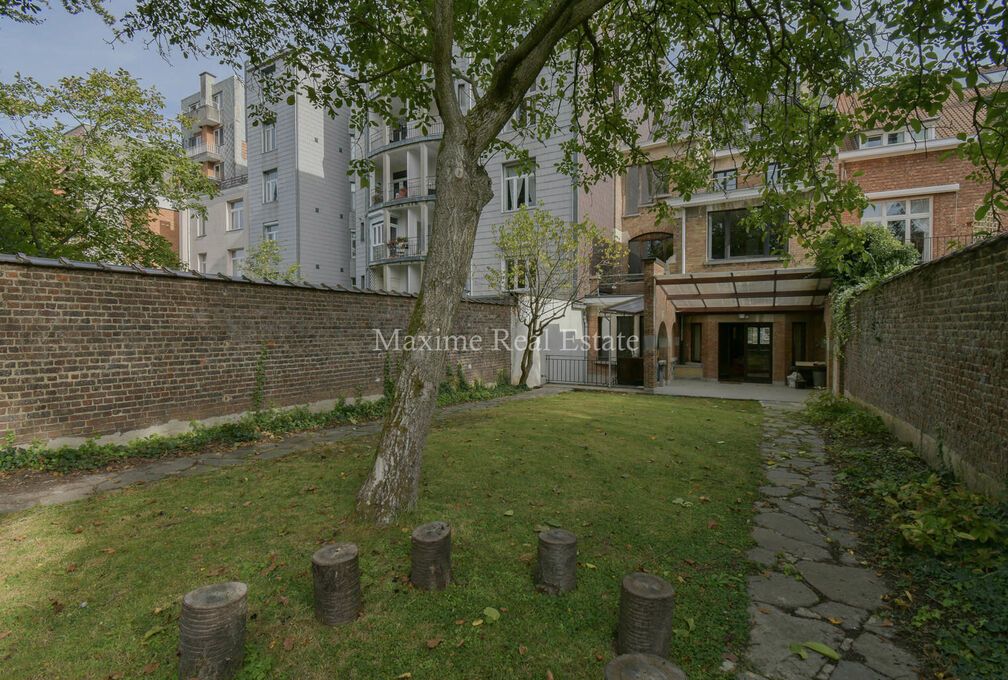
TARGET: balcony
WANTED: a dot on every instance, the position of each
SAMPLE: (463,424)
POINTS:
(397,249)
(616,284)
(204,115)
(382,136)
(203,152)
(402,190)
(933,247)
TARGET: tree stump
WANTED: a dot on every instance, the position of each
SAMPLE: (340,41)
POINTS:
(212,631)
(642,667)
(431,569)
(556,567)
(645,618)
(336,577)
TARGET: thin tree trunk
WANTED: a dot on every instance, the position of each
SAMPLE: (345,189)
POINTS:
(526,361)
(463,188)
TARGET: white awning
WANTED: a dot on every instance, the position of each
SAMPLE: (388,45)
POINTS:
(796,289)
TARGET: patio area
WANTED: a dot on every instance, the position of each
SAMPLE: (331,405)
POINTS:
(724,390)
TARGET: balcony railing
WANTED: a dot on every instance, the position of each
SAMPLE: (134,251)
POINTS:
(617,284)
(396,249)
(202,116)
(402,132)
(403,189)
(938,246)
(204,151)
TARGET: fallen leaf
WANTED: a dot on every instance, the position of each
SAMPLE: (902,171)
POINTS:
(288,643)
(109,550)
(4,634)
(822,649)
(763,610)
(491,614)
(508,513)
(549,674)
(590,565)
(478,622)
(150,668)
(797,649)
(521,649)
(835,621)
(460,642)
(712,523)
(246,504)
(598,657)
(434,642)
(57,606)
(77,530)
(283,600)
(404,676)
(151,633)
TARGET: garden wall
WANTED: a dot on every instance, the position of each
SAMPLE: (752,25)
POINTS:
(88,350)
(929,352)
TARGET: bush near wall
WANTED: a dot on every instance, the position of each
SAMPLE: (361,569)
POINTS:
(89,350)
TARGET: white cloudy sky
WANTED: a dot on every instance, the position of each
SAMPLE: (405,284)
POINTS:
(70,45)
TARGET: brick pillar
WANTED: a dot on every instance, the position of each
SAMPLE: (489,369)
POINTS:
(649,343)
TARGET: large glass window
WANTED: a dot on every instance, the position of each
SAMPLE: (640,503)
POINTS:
(656,245)
(641,186)
(729,239)
(519,188)
(909,220)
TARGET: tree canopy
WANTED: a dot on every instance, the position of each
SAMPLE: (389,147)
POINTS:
(85,165)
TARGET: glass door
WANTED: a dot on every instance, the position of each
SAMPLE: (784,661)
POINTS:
(758,352)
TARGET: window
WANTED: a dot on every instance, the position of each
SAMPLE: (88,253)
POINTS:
(218,99)
(728,238)
(236,214)
(463,100)
(201,263)
(199,224)
(269,186)
(270,231)
(799,335)
(218,135)
(519,188)
(909,220)
(774,173)
(267,70)
(726,180)
(696,343)
(876,138)
(269,137)
(236,258)
(517,271)
(641,185)
(353,243)
(215,172)
(657,245)
(194,142)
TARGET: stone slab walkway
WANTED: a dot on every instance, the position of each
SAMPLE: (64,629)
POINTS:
(814,588)
(30,489)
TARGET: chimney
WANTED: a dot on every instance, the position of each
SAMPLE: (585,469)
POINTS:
(207,81)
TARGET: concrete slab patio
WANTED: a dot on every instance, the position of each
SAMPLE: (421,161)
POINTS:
(723,390)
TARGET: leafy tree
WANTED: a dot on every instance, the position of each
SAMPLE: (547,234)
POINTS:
(264,261)
(84,165)
(28,11)
(756,74)
(549,262)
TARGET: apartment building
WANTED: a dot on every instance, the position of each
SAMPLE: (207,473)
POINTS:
(215,138)
(713,301)
(299,190)
(395,212)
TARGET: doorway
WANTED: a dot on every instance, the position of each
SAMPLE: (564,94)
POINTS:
(745,352)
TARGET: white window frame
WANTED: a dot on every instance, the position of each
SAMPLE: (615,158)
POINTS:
(218,137)
(236,214)
(517,180)
(199,222)
(269,137)
(236,258)
(529,268)
(894,137)
(217,99)
(201,263)
(721,179)
(353,242)
(271,231)
(271,191)
(884,219)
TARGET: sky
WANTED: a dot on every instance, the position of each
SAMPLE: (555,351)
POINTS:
(66,44)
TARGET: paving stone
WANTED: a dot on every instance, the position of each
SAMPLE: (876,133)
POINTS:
(785,478)
(762,556)
(776,543)
(781,591)
(789,526)
(844,539)
(874,624)
(850,585)
(807,613)
(838,519)
(799,511)
(849,560)
(851,617)
(776,490)
(806,501)
(884,657)
(852,670)
(770,643)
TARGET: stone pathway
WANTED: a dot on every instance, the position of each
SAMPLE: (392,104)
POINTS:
(814,589)
(28,489)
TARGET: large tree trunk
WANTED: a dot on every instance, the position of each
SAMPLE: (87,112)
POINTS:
(463,188)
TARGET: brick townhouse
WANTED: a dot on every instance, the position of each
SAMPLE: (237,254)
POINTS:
(711,301)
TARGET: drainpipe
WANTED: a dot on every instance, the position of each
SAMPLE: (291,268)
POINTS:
(683,241)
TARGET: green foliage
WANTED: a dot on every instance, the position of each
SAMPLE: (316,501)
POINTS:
(253,426)
(28,11)
(858,258)
(944,544)
(264,261)
(88,189)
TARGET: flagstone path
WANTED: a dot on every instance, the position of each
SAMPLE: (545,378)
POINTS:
(814,588)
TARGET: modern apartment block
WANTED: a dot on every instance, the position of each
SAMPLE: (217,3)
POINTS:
(394,214)
(299,190)
(216,140)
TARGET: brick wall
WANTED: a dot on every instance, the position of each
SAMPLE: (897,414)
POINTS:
(929,350)
(86,352)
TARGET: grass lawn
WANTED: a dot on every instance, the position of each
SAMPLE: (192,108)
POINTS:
(92,589)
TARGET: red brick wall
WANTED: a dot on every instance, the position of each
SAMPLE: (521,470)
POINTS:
(930,347)
(86,352)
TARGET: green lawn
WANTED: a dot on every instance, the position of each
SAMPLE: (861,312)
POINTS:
(658,483)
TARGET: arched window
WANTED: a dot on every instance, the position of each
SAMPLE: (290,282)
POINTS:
(656,244)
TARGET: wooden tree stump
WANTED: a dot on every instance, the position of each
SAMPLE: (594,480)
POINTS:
(556,567)
(336,577)
(645,618)
(431,569)
(212,631)
(642,667)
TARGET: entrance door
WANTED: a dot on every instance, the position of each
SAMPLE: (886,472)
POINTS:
(745,352)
